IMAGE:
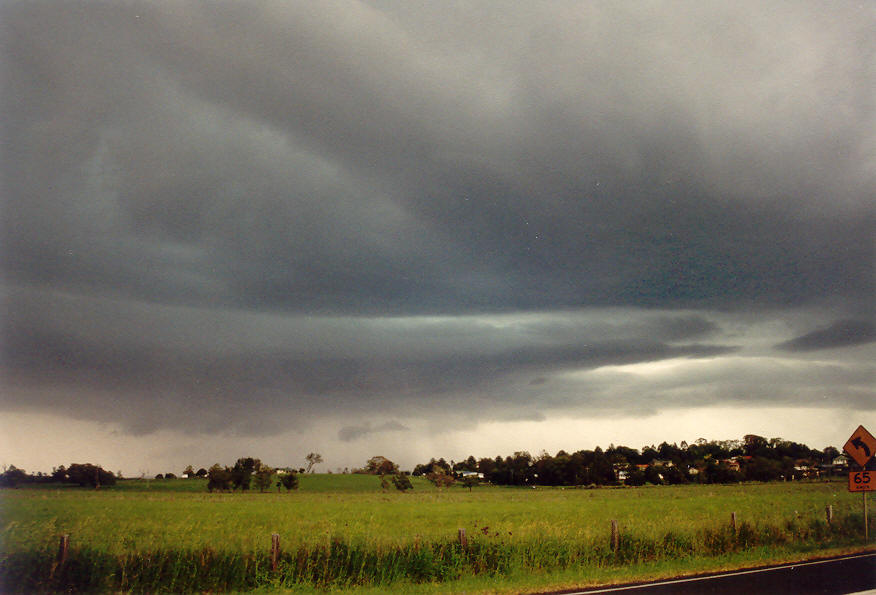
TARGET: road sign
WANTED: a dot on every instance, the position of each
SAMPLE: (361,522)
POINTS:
(862,481)
(861,446)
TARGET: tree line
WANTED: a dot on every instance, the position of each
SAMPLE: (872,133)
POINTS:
(81,474)
(754,458)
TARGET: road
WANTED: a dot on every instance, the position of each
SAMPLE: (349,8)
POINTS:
(835,576)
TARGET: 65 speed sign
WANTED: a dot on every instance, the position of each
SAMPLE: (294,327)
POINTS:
(862,481)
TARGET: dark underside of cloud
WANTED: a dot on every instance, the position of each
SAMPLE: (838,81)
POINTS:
(185,186)
(843,333)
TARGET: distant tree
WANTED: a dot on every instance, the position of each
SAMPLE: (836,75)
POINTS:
(754,445)
(470,481)
(402,482)
(262,477)
(86,474)
(761,469)
(12,477)
(219,478)
(653,475)
(440,479)
(380,466)
(635,476)
(201,472)
(169,476)
(674,475)
(188,471)
(289,480)
(829,454)
(159,476)
(241,473)
(313,458)
(59,474)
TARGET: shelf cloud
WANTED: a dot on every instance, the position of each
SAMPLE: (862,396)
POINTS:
(220,218)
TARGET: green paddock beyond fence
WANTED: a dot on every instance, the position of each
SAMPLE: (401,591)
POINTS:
(343,532)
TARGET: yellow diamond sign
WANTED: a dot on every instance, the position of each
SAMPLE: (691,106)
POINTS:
(861,446)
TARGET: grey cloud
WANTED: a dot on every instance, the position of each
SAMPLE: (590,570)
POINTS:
(227,216)
(174,366)
(842,333)
(632,157)
(351,433)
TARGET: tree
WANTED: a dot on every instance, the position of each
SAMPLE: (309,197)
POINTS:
(59,474)
(241,473)
(635,476)
(86,474)
(201,472)
(402,482)
(188,471)
(262,477)
(470,481)
(12,477)
(829,454)
(219,478)
(313,458)
(440,479)
(289,480)
(380,466)
(755,445)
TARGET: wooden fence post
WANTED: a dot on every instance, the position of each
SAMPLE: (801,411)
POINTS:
(63,544)
(733,522)
(463,540)
(829,511)
(275,551)
(615,537)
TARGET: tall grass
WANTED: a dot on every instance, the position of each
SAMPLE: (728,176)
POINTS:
(348,563)
(188,542)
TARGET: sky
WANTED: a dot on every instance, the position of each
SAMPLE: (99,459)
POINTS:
(418,229)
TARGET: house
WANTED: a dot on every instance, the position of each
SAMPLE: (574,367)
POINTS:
(464,474)
(732,463)
(840,462)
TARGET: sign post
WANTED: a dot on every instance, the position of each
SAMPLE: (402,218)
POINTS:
(861,446)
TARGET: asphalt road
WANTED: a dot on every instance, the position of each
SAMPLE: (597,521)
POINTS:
(835,576)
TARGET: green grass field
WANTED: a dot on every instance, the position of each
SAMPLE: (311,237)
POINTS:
(342,531)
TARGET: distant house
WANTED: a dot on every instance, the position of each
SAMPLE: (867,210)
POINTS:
(840,463)
(732,463)
(464,474)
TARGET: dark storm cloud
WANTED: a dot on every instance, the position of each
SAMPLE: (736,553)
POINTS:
(842,333)
(351,433)
(347,160)
(213,213)
(229,370)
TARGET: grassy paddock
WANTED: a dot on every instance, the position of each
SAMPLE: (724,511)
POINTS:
(341,531)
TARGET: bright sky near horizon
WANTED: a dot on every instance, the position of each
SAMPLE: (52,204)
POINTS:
(431,229)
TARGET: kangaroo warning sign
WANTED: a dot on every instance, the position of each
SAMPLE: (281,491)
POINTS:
(861,446)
